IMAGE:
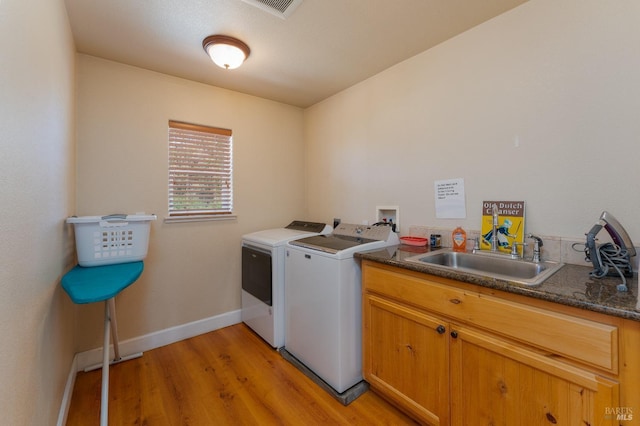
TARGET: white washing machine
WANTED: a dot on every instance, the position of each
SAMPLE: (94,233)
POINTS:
(263,277)
(323,301)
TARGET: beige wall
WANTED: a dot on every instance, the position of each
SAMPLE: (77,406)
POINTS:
(37,181)
(525,106)
(193,269)
(539,104)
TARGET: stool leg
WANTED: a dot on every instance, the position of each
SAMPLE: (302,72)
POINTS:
(104,402)
(114,328)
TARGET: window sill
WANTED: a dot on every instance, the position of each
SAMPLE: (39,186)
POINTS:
(199,218)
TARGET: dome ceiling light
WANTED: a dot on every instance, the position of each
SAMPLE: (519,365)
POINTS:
(226,52)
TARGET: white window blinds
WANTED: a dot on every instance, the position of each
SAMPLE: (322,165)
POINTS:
(200,170)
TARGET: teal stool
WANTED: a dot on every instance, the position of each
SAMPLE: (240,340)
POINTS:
(97,284)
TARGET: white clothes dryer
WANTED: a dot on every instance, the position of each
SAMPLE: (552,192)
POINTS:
(263,277)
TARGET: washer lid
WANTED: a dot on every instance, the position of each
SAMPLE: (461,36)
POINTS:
(331,243)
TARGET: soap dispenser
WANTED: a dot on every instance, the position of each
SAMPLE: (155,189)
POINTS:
(459,239)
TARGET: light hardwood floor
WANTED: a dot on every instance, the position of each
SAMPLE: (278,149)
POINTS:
(226,377)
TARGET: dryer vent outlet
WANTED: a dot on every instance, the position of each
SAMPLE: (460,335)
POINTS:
(281,8)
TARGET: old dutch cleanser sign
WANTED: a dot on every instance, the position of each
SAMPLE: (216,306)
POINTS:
(450,202)
(510,227)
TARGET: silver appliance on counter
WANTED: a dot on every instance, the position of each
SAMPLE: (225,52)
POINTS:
(323,305)
(263,277)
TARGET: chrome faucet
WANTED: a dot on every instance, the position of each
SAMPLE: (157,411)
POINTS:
(514,250)
(476,244)
(536,247)
(494,229)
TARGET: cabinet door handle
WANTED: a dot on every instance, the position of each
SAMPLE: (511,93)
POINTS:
(454,334)
(440,329)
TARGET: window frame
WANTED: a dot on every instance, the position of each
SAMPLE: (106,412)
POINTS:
(198,133)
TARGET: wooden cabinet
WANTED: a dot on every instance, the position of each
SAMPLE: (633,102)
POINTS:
(494,382)
(406,357)
(449,354)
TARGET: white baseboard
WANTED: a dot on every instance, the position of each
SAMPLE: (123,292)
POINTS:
(161,338)
(147,342)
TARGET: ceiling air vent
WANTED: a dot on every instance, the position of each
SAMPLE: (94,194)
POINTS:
(280,8)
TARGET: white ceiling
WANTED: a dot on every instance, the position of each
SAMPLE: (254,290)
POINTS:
(323,47)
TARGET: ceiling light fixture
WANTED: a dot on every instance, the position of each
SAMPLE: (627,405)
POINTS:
(226,52)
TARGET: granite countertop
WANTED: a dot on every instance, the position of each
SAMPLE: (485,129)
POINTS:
(571,285)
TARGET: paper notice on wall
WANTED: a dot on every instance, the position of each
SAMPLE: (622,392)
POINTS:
(450,201)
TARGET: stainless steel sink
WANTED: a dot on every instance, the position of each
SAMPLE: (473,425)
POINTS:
(490,264)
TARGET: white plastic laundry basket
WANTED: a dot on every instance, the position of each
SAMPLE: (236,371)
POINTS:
(105,240)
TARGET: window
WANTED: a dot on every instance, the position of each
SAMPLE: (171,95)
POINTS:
(200,171)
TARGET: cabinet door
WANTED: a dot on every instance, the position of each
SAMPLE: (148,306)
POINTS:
(494,382)
(405,357)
